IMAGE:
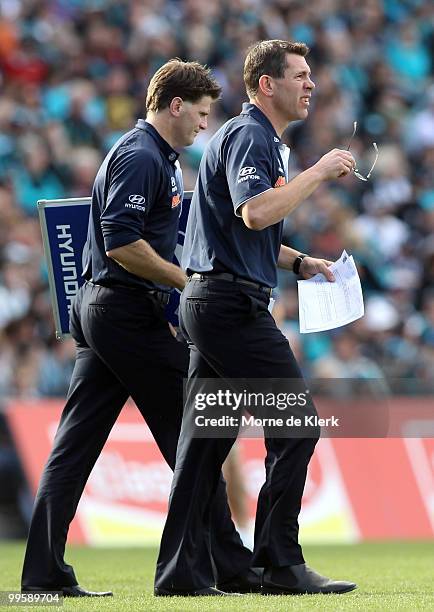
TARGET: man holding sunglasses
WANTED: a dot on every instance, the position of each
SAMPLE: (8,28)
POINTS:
(231,252)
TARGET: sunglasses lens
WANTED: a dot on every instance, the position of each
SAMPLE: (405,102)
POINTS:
(374,144)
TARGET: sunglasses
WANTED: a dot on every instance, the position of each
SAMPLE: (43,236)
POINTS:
(356,171)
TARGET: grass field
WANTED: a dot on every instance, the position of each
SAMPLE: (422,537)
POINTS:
(391,576)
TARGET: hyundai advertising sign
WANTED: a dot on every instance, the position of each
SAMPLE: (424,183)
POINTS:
(64,231)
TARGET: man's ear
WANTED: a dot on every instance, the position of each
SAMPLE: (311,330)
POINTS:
(175,106)
(265,85)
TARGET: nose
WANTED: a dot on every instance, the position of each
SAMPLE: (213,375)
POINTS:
(203,123)
(310,84)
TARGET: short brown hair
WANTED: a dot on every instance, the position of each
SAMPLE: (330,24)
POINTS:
(268,57)
(188,80)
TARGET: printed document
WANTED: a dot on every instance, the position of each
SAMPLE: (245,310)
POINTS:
(324,305)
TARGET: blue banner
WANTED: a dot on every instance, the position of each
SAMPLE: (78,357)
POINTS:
(64,226)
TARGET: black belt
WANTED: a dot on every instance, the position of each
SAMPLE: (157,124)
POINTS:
(161,296)
(230,277)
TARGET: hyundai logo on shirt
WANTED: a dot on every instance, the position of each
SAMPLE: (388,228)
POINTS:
(137,199)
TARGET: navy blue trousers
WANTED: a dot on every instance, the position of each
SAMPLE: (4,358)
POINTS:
(232,336)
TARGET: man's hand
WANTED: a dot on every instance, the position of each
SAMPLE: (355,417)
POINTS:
(311,266)
(172,330)
(335,164)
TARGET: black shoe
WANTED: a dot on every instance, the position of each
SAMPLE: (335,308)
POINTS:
(300,579)
(67,591)
(209,591)
(247,582)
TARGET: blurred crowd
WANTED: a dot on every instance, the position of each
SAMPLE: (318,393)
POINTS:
(73,76)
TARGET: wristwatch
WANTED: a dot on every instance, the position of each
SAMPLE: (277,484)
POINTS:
(297,263)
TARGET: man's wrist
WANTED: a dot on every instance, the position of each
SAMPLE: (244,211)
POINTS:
(316,174)
(297,263)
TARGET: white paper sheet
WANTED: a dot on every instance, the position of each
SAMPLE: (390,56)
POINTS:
(324,305)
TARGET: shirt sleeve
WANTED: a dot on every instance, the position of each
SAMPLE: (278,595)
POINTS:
(247,160)
(132,181)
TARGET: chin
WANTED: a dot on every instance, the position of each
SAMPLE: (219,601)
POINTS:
(298,115)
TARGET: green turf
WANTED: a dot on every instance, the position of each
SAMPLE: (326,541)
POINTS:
(391,576)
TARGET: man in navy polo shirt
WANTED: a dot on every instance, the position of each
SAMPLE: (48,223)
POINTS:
(231,253)
(124,344)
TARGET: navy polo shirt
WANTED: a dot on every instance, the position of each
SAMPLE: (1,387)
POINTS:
(242,160)
(137,194)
